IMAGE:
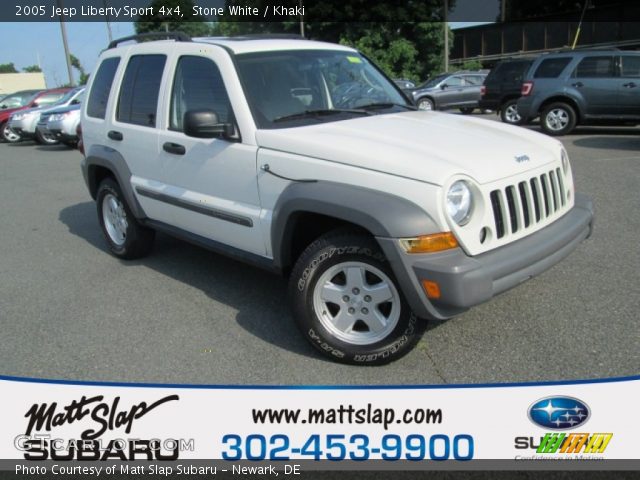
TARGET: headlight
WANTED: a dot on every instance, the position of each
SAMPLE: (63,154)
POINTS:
(565,160)
(17,116)
(459,202)
(56,117)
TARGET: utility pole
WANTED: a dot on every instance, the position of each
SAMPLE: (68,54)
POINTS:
(63,30)
(446,36)
(301,20)
(104,2)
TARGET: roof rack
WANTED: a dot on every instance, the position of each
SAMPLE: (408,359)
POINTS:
(177,36)
(267,36)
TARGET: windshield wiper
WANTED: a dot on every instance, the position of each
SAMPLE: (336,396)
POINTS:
(319,112)
(387,105)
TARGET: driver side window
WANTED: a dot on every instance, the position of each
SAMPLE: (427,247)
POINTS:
(198,85)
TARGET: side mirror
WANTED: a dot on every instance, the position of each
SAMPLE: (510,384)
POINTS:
(205,124)
(3,106)
(443,86)
(75,101)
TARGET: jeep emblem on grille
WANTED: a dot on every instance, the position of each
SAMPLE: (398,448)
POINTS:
(522,158)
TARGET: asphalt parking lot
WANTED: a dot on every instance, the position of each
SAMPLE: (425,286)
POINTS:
(69,310)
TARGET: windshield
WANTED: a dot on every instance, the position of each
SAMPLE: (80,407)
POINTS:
(310,86)
(433,81)
(15,101)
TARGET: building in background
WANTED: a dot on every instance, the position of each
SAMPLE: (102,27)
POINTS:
(531,27)
(13,82)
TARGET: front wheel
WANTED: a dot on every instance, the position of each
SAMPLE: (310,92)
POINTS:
(425,104)
(558,119)
(46,138)
(348,304)
(9,135)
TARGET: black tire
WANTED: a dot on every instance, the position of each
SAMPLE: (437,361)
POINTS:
(466,110)
(332,251)
(509,112)
(560,110)
(42,140)
(138,240)
(425,104)
(9,135)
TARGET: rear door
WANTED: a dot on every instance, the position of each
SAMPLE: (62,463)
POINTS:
(629,85)
(595,80)
(452,92)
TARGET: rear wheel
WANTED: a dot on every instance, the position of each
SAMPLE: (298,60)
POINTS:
(509,112)
(126,237)
(558,119)
(9,135)
(467,110)
(347,302)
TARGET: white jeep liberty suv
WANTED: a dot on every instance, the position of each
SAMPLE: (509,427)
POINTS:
(302,157)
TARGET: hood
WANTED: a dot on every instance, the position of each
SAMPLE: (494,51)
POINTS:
(69,108)
(427,146)
(6,113)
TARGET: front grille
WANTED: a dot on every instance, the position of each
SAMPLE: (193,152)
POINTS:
(524,205)
(44,119)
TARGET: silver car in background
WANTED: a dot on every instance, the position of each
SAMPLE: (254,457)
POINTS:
(62,125)
(25,122)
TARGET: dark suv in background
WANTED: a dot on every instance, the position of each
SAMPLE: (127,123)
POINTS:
(502,86)
(450,90)
(582,87)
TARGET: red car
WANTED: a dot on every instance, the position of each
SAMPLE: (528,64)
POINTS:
(22,101)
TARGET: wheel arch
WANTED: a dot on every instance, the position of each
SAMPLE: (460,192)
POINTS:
(101,163)
(306,210)
(572,102)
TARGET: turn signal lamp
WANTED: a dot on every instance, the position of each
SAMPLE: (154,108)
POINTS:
(435,242)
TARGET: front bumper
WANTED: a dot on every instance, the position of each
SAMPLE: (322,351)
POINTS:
(467,281)
(25,127)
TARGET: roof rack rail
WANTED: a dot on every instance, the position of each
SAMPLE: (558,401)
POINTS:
(177,36)
(268,36)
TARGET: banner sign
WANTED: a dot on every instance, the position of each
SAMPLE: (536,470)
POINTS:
(56,427)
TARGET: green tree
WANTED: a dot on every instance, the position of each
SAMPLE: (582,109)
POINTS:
(8,68)
(32,69)
(75,63)
(193,25)
(409,46)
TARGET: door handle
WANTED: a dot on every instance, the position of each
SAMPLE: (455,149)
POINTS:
(629,85)
(577,84)
(174,148)
(113,135)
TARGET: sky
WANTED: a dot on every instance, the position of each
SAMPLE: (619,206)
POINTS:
(86,40)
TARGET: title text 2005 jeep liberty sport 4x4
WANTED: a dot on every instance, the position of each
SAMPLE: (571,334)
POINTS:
(303,158)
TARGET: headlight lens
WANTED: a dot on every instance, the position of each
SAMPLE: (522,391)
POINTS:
(565,160)
(17,116)
(459,202)
(56,117)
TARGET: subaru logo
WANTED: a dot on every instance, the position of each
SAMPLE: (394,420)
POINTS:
(522,158)
(559,413)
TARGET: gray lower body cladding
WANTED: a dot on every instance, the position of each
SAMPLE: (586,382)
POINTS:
(467,281)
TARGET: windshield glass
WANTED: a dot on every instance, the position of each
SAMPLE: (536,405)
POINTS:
(298,87)
(433,81)
(15,101)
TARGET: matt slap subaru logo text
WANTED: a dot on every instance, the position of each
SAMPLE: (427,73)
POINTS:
(559,413)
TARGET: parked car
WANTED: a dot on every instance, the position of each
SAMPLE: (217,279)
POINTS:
(450,90)
(303,158)
(42,98)
(24,123)
(62,125)
(501,89)
(582,87)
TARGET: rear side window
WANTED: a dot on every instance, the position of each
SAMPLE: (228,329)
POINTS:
(595,67)
(97,105)
(454,82)
(198,85)
(630,66)
(511,71)
(551,67)
(140,88)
